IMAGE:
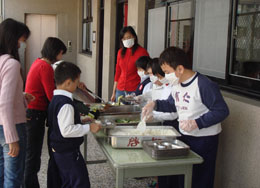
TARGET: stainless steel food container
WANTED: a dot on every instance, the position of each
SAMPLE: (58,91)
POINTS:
(165,149)
(135,141)
(111,119)
(123,109)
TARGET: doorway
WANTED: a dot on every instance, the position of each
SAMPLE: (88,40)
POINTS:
(101,40)
(121,21)
(41,27)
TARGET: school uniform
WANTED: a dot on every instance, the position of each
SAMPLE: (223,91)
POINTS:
(161,93)
(65,137)
(144,86)
(198,99)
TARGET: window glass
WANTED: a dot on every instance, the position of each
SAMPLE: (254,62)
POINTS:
(180,22)
(246,38)
(87,26)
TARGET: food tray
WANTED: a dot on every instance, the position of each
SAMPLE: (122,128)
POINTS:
(130,120)
(123,109)
(165,149)
(130,137)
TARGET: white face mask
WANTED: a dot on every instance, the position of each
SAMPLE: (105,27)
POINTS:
(129,43)
(153,78)
(21,49)
(141,73)
(164,81)
(172,78)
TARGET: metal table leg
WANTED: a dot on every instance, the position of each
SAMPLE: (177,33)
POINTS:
(119,178)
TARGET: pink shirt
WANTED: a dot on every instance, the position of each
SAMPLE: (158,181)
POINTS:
(12,103)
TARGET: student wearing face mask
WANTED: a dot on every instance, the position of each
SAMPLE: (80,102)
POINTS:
(161,90)
(126,78)
(12,104)
(145,84)
(201,109)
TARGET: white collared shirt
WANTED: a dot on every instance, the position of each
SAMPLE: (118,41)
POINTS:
(66,119)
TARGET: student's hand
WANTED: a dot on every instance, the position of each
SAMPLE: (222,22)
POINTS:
(188,125)
(148,109)
(95,127)
(138,98)
(29,97)
(14,149)
(113,97)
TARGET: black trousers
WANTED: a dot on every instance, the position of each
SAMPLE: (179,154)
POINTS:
(203,174)
(72,169)
(35,129)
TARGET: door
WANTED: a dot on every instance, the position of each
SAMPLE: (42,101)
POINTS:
(41,27)
(101,40)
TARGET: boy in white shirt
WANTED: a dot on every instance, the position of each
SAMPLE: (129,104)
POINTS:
(201,109)
(66,132)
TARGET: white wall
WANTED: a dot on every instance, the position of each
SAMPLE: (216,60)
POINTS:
(239,147)
(88,63)
(66,11)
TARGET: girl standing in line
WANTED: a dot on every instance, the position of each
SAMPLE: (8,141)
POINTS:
(40,83)
(13,102)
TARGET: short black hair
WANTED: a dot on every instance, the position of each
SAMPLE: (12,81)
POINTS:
(142,62)
(174,57)
(66,70)
(52,47)
(155,66)
(10,32)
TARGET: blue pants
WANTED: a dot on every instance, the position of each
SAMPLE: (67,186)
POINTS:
(12,168)
(72,169)
(203,174)
(122,93)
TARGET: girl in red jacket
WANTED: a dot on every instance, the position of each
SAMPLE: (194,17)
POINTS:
(40,83)
(126,78)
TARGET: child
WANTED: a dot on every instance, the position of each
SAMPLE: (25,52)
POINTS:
(145,85)
(40,83)
(160,91)
(65,129)
(200,107)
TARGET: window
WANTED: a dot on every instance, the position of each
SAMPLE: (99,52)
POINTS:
(244,68)
(180,22)
(87,26)
(178,30)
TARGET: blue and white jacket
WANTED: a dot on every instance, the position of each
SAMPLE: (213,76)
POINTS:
(197,99)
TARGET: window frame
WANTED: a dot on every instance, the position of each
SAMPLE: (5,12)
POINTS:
(231,82)
(88,21)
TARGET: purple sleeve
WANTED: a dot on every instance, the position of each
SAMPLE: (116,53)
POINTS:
(213,100)
(167,105)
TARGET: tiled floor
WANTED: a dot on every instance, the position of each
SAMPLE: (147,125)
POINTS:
(101,176)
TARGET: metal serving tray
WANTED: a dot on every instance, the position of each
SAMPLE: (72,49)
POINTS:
(123,109)
(121,136)
(165,149)
(135,118)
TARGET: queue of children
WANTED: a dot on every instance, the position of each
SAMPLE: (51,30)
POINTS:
(170,89)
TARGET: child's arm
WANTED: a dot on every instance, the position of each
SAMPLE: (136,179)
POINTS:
(66,123)
(213,100)
(167,105)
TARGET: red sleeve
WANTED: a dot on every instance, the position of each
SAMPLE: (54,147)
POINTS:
(118,69)
(47,80)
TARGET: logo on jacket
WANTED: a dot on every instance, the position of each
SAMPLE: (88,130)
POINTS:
(141,87)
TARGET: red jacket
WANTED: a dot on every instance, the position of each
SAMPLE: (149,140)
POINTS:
(40,83)
(126,72)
